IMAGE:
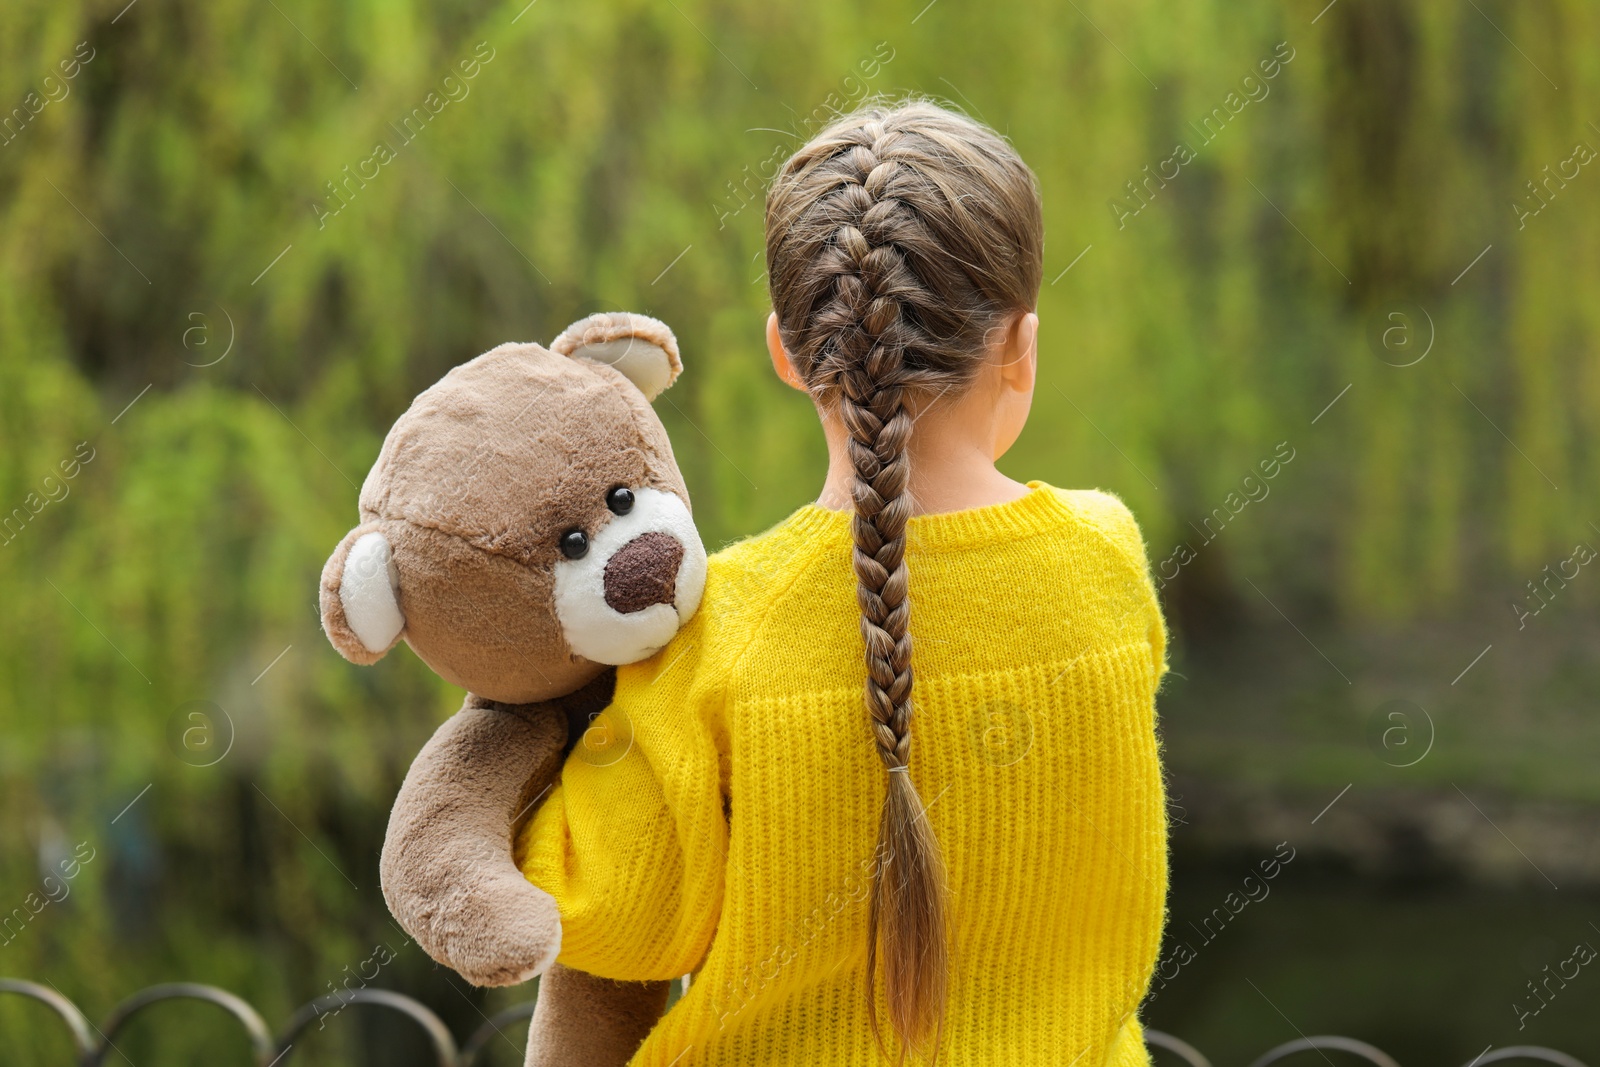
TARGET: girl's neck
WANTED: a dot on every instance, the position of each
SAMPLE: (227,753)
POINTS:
(952,465)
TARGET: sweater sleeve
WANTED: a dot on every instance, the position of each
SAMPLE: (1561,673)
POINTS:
(1110,516)
(632,841)
(1128,1048)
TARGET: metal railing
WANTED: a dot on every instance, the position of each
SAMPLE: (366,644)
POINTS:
(91,1043)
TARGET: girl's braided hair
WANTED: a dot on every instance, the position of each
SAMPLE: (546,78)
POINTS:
(897,239)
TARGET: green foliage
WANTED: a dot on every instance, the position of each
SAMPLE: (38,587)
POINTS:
(199,189)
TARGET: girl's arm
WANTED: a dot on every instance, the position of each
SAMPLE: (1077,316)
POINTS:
(632,842)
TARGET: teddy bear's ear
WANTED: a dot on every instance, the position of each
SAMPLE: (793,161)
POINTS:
(642,348)
(361,596)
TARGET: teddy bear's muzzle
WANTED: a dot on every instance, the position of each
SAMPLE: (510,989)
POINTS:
(643,572)
(640,580)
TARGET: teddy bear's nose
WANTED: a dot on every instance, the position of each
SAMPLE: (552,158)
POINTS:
(643,572)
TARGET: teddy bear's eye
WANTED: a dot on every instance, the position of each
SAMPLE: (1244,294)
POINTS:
(574,544)
(620,500)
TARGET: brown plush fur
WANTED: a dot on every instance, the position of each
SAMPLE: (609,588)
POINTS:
(473,488)
(472,491)
(568,1000)
(494,927)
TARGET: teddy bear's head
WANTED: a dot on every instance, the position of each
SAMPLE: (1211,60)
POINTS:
(525,523)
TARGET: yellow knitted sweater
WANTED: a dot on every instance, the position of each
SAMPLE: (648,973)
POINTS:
(720,818)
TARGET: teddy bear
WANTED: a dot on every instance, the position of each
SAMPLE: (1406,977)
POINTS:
(524,530)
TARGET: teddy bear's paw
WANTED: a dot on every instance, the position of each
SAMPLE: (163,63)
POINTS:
(544,961)
(510,965)
(499,938)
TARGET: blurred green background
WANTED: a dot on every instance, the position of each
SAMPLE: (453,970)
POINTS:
(238,237)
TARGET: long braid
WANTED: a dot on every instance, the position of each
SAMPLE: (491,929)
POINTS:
(885,284)
(873,407)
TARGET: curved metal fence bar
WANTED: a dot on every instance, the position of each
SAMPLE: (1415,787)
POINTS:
(1190,1055)
(254,1025)
(1528,1052)
(1370,1053)
(490,1030)
(83,1043)
(90,1049)
(444,1045)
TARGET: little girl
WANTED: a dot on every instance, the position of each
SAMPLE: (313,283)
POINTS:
(855,861)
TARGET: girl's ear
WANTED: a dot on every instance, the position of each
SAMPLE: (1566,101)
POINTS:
(780,356)
(1019,358)
(361,596)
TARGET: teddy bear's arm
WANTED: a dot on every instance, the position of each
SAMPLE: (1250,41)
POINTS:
(450,879)
(447,868)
